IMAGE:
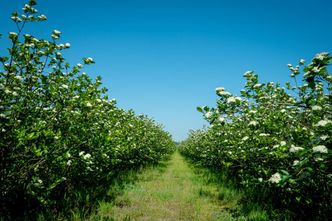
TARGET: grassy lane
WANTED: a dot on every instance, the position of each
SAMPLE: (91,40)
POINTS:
(173,192)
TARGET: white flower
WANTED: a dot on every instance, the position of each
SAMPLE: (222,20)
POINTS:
(282,110)
(320,149)
(324,137)
(88,60)
(248,74)
(302,61)
(79,65)
(263,135)
(220,89)
(316,108)
(56,32)
(81,153)
(233,99)
(42,17)
(245,138)
(295,162)
(323,123)
(18,78)
(87,156)
(15,93)
(253,111)
(253,123)
(289,65)
(208,114)
(64,86)
(294,149)
(69,162)
(283,143)
(40,181)
(321,55)
(12,34)
(257,85)
(316,69)
(260,179)
(67,45)
(275,178)
(224,93)
(221,119)
(76,97)
(88,104)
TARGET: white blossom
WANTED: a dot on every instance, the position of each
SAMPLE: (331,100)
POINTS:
(316,107)
(208,114)
(324,137)
(221,119)
(219,89)
(245,138)
(275,178)
(56,32)
(248,74)
(321,55)
(233,99)
(316,69)
(67,45)
(323,123)
(81,153)
(302,61)
(320,149)
(296,162)
(253,123)
(18,77)
(294,149)
(69,162)
(64,86)
(88,104)
(87,156)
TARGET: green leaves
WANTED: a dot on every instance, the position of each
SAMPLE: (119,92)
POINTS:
(273,138)
(60,135)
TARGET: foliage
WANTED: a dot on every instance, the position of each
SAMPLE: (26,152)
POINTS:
(61,138)
(273,139)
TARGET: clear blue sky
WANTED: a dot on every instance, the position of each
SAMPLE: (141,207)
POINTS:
(165,57)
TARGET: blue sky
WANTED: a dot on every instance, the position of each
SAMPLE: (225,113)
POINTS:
(164,58)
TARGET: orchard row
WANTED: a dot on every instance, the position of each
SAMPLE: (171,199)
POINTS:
(62,139)
(274,140)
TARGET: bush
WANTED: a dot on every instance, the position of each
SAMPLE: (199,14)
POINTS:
(62,139)
(275,139)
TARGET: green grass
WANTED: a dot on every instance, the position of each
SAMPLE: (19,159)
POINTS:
(175,191)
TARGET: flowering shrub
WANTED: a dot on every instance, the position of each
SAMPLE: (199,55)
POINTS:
(60,135)
(274,139)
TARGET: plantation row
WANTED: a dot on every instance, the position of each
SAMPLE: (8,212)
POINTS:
(62,141)
(274,141)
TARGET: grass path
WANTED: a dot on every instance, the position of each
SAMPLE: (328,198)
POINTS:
(174,192)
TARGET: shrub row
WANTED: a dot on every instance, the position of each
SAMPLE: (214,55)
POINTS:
(61,138)
(275,140)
